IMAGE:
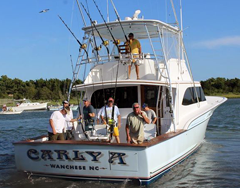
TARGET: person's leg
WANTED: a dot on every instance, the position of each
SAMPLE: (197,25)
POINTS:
(60,136)
(116,134)
(137,71)
(129,71)
(52,136)
(117,139)
(68,135)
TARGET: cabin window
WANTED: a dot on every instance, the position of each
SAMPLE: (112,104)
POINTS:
(190,96)
(149,95)
(125,97)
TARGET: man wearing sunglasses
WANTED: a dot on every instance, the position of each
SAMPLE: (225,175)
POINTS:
(135,125)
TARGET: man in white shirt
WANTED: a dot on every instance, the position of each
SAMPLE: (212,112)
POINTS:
(109,114)
(56,125)
(69,125)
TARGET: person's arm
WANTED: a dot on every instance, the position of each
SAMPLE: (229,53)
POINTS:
(127,133)
(119,121)
(91,114)
(103,120)
(154,121)
(154,117)
(140,50)
(145,117)
(102,115)
(52,125)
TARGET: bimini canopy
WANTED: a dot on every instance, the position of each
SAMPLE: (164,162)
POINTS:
(138,27)
(110,84)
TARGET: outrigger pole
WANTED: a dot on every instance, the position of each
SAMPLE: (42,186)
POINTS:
(105,43)
(118,17)
(94,39)
(83,46)
(115,41)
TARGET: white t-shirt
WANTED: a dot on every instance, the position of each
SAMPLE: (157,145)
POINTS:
(109,112)
(68,117)
(59,122)
(100,112)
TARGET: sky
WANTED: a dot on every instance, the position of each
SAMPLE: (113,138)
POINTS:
(37,45)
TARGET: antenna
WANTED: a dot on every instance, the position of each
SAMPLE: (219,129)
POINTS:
(81,14)
(135,16)
(174,12)
(107,12)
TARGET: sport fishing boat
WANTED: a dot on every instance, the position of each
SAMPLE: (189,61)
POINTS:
(27,105)
(165,83)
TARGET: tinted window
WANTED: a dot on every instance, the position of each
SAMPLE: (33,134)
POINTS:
(125,97)
(149,95)
(190,96)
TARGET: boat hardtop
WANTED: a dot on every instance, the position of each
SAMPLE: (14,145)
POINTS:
(138,27)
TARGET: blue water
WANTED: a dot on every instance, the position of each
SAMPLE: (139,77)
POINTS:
(215,164)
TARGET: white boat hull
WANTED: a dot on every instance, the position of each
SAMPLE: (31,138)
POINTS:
(115,162)
(10,112)
(31,106)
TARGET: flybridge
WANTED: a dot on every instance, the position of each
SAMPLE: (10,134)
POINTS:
(133,26)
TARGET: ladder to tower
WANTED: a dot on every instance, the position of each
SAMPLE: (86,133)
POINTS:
(81,60)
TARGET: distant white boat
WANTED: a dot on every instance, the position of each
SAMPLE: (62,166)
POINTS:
(59,107)
(26,104)
(10,111)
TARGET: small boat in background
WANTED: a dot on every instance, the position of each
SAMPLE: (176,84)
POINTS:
(26,104)
(10,111)
(59,107)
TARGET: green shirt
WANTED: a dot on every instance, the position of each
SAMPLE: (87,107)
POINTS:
(136,125)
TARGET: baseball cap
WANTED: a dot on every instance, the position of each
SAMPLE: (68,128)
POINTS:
(110,99)
(85,99)
(144,105)
(65,102)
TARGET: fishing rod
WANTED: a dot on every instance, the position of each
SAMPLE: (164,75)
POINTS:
(115,10)
(94,39)
(80,114)
(105,43)
(116,42)
(82,46)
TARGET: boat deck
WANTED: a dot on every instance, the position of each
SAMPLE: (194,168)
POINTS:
(154,141)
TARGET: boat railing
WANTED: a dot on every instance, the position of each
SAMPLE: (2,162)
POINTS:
(124,58)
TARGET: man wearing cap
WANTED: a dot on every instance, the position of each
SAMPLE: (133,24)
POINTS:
(88,115)
(69,125)
(56,125)
(111,113)
(150,113)
(135,125)
(136,49)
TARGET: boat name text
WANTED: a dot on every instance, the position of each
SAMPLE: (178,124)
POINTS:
(76,155)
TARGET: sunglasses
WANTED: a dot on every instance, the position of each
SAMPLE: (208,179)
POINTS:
(110,101)
(136,107)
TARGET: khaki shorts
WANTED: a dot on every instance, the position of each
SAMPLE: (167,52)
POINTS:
(135,61)
(138,140)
